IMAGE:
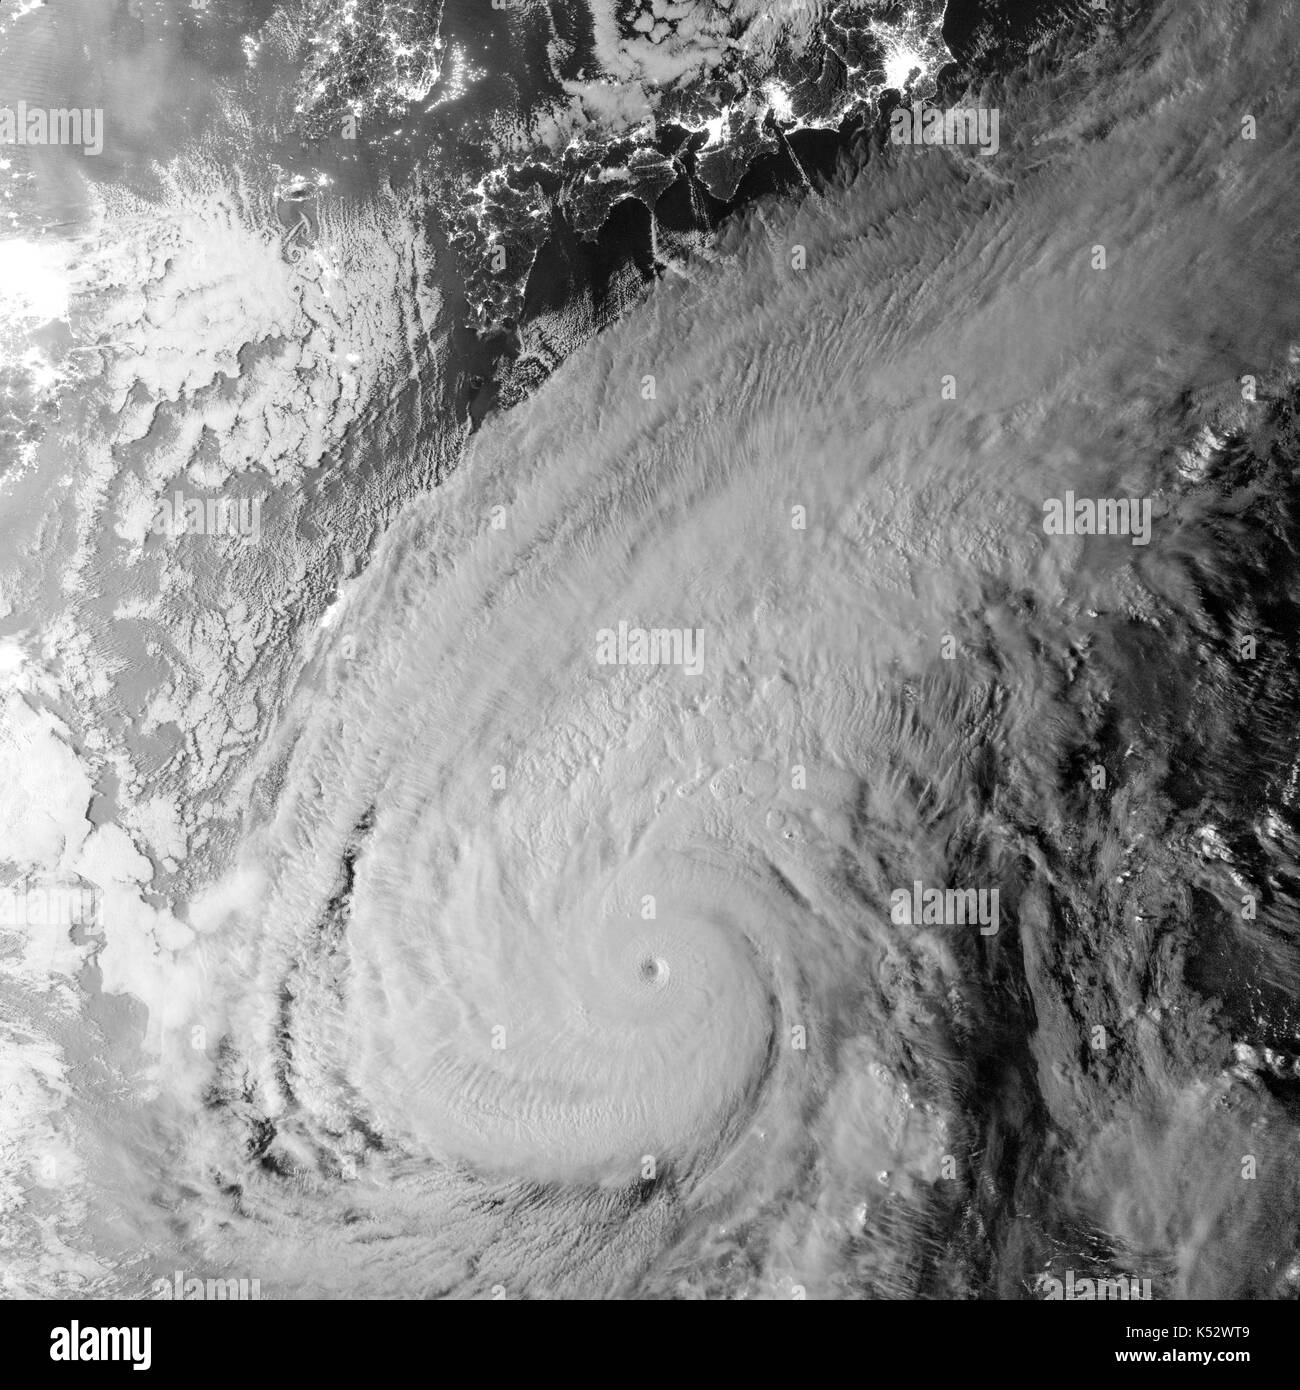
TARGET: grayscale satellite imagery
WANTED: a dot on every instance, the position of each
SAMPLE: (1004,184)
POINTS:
(649,650)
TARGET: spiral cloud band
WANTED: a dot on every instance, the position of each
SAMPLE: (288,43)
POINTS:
(549,974)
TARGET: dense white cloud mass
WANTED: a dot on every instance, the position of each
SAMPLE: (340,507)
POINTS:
(538,976)
(577,978)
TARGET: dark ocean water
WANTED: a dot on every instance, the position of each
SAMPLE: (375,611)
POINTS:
(413,1029)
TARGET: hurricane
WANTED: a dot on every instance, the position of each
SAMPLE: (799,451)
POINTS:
(807,807)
